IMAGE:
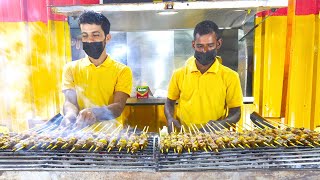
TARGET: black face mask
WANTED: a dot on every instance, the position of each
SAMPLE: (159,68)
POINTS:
(205,58)
(93,49)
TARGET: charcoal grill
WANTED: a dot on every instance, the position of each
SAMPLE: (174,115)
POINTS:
(239,159)
(151,160)
(80,160)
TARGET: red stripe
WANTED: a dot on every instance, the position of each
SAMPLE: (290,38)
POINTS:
(303,7)
(71,2)
(277,12)
(34,10)
(7,12)
(306,7)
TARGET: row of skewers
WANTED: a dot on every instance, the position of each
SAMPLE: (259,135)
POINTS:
(72,140)
(219,137)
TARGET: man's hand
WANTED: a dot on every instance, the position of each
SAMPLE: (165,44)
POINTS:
(68,120)
(85,118)
(175,123)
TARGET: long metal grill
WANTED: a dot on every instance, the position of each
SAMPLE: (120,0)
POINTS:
(152,160)
(239,159)
(80,160)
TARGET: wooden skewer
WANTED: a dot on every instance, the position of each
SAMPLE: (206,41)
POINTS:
(104,127)
(310,145)
(240,146)
(127,129)
(16,150)
(50,145)
(204,129)
(54,147)
(190,130)
(225,128)
(299,142)
(231,126)
(267,127)
(90,148)
(195,132)
(172,126)
(64,146)
(96,126)
(292,144)
(266,144)
(34,146)
(134,131)
(217,126)
(267,122)
(72,150)
(209,128)
(277,142)
(147,129)
(196,128)
(316,143)
(279,123)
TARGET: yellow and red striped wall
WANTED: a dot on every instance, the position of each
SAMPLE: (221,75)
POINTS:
(287,67)
(34,46)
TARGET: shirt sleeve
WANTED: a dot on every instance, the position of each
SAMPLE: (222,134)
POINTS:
(173,89)
(234,93)
(124,82)
(67,77)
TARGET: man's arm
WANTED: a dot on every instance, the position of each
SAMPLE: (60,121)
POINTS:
(89,116)
(232,118)
(113,110)
(70,107)
(169,113)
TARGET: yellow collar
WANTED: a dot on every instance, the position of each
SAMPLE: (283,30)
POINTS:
(86,61)
(214,68)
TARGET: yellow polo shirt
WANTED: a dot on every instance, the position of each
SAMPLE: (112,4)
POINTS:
(95,85)
(204,97)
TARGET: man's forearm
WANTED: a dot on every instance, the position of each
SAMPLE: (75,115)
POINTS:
(69,108)
(169,109)
(107,112)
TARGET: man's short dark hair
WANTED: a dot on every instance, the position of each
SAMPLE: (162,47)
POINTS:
(206,27)
(91,17)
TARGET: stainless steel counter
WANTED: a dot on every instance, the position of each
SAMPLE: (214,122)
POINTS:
(132,101)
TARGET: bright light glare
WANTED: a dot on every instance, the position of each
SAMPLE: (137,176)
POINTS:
(167,12)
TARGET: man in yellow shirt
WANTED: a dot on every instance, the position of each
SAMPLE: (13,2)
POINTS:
(96,87)
(208,92)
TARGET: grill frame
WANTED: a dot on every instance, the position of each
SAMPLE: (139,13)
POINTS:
(62,160)
(236,159)
(151,160)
